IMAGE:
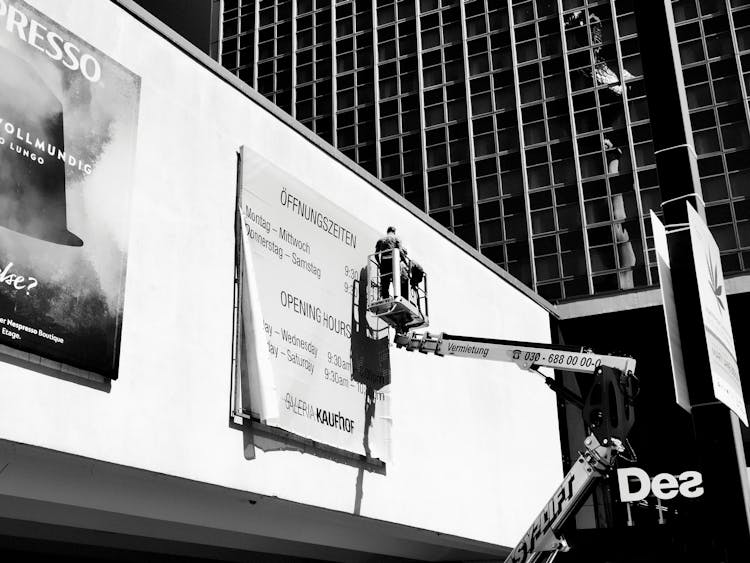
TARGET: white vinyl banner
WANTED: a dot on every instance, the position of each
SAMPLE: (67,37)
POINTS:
(719,339)
(317,362)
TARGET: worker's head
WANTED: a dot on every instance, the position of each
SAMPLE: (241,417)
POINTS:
(390,230)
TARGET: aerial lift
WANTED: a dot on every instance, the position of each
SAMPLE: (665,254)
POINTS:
(607,408)
(397,294)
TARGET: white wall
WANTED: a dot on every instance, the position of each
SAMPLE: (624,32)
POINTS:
(475,444)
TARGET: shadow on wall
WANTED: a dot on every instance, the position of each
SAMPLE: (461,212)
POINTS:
(371,365)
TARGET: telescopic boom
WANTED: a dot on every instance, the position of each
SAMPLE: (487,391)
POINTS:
(607,411)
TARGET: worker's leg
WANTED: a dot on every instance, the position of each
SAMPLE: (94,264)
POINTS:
(386,275)
(405,288)
(385,284)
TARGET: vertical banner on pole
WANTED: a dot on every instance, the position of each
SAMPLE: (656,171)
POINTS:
(670,313)
(718,329)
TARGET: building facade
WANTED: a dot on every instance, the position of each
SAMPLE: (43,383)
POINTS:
(522,126)
(160,462)
(139,443)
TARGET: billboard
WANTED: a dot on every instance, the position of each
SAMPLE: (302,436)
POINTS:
(318,362)
(68,118)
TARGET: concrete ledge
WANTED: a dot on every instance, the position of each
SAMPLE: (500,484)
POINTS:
(59,497)
(636,299)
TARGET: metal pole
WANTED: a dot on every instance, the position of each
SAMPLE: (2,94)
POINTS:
(727,496)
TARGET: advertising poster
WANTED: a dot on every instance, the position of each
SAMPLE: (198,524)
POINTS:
(317,361)
(68,118)
(719,340)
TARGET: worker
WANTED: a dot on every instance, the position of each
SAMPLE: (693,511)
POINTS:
(384,256)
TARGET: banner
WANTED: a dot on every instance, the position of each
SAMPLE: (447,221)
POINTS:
(68,118)
(317,362)
(664,266)
(713,297)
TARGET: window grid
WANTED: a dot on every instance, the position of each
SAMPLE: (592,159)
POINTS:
(422,113)
(518,222)
(314,80)
(355,83)
(612,207)
(625,18)
(719,121)
(511,157)
(446,128)
(503,229)
(238,41)
(639,132)
(739,19)
(470,126)
(398,91)
(275,52)
(572,238)
(560,257)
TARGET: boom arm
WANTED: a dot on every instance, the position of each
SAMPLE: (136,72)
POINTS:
(607,410)
(526,355)
(543,536)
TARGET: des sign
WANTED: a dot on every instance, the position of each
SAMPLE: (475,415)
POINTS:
(635,484)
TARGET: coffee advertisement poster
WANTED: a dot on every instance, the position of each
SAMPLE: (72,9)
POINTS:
(68,120)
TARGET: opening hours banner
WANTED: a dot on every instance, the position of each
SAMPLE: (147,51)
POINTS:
(315,363)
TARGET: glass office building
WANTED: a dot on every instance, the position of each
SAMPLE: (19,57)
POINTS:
(520,125)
